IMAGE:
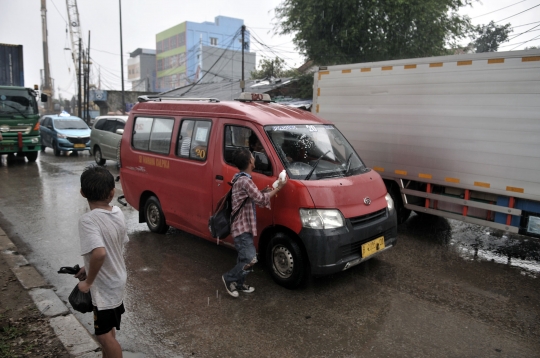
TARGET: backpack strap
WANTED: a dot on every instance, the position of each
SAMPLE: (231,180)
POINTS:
(233,216)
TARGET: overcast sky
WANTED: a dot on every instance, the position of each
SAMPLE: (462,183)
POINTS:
(20,23)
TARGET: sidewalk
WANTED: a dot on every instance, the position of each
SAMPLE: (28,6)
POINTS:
(33,319)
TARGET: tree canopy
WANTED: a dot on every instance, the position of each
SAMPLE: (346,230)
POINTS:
(487,38)
(349,31)
(269,68)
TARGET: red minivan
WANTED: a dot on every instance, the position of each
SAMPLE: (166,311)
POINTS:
(334,212)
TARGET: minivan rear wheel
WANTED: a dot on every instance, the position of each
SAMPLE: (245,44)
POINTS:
(155,219)
(98,156)
(286,262)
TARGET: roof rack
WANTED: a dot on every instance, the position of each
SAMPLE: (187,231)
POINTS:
(159,99)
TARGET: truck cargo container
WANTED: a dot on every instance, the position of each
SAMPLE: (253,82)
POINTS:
(454,136)
(11,65)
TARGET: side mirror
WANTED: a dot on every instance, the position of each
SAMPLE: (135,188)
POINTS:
(44,97)
(120,131)
(261,161)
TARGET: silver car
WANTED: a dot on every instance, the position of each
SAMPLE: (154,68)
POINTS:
(105,137)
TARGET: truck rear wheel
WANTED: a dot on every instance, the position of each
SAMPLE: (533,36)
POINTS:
(286,262)
(31,156)
(155,219)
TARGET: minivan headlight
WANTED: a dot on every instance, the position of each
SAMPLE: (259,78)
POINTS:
(60,135)
(321,218)
(389,202)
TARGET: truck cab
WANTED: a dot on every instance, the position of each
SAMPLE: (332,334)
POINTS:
(19,122)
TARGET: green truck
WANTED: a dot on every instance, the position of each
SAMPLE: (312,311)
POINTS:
(19,122)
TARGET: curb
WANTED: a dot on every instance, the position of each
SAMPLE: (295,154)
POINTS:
(75,338)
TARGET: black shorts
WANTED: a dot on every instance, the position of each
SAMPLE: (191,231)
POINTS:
(106,320)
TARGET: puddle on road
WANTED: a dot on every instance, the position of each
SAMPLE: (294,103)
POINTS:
(473,242)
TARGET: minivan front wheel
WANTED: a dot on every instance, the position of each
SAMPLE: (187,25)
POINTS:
(154,216)
(55,149)
(286,262)
(98,156)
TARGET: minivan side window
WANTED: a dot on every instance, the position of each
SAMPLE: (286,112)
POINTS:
(153,134)
(109,125)
(242,137)
(193,139)
(99,125)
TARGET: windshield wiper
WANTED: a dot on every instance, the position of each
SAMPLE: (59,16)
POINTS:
(315,166)
(15,108)
(348,164)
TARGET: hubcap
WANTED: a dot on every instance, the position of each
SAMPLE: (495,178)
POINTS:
(98,155)
(152,215)
(283,261)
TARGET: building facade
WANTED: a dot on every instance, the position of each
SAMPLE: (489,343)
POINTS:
(185,52)
(142,70)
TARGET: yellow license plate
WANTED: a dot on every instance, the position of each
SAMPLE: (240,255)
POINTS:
(369,248)
(79,146)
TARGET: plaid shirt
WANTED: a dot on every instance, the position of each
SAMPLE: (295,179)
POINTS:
(243,188)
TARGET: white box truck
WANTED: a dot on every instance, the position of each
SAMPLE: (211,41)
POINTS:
(454,136)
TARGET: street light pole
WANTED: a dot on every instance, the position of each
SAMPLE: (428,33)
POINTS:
(122,60)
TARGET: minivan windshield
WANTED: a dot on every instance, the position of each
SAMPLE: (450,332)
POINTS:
(70,124)
(312,152)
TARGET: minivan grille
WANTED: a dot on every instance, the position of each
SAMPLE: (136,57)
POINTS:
(365,219)
(82,140)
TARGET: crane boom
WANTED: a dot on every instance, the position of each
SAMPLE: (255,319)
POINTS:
(75,31)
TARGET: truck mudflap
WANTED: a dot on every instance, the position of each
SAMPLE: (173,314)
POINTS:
(334,250)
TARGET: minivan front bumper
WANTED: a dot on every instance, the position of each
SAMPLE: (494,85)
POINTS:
(334,250)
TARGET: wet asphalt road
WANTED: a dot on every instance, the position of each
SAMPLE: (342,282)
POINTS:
(448,289)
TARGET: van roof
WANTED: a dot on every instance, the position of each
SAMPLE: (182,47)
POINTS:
(257,112)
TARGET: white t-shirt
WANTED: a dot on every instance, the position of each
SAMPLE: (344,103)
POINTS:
(107,229)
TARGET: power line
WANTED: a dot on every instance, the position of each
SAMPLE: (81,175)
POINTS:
(518,13)
(530,23)
(534,38)
(210,69)
(524,32)
(59,12)
(498,9)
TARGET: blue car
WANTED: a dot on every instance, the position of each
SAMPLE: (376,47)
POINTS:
(64,133)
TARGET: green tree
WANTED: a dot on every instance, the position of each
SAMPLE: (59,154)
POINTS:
(272,68)
(487,38)
(349,31)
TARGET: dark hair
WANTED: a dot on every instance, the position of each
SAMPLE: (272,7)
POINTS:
(253,139)
(96,183)
(241,158)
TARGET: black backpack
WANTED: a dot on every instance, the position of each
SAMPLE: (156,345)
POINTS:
(220,222)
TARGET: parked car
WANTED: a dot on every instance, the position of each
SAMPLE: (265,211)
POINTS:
(105,137)
(63,133)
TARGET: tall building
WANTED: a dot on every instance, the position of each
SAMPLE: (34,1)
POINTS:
(142,70)
(211,51)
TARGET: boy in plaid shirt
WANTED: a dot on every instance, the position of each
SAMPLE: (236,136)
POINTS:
(244,227)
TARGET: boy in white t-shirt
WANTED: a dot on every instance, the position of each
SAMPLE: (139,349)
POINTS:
(103,234)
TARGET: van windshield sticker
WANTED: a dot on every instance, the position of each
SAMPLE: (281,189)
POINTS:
(283,128)
(200,136)
(311,128)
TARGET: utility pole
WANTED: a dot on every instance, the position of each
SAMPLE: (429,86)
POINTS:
(84,87)
(79,114)
(122,60)
(242,82)
(46,85)
(87,90)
